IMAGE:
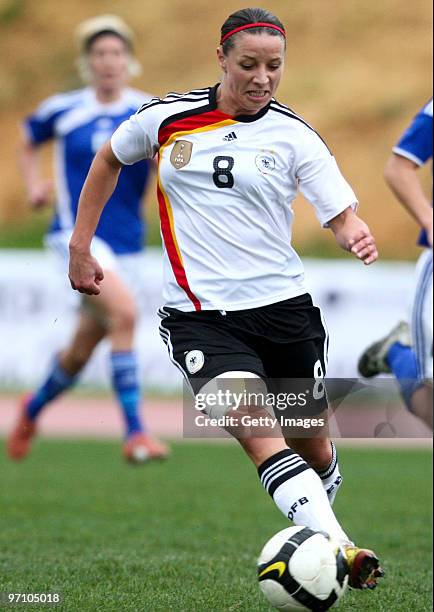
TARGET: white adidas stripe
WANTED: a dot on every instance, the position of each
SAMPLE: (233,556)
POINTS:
(290,464)
(284,471)
(275,465)
(165,335)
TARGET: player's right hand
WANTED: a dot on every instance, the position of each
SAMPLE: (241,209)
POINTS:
(85,273)
(40,194)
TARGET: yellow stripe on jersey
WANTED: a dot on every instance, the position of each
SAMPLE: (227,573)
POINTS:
(169,141)
(205,128)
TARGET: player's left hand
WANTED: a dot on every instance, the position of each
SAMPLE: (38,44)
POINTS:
(353,235)
(363,246)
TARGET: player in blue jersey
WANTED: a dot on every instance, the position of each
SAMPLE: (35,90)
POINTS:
(79,122)
(406,351)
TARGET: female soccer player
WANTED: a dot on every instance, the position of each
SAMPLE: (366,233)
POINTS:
(80,122)
(230,161)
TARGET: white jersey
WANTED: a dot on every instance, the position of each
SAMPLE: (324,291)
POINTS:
(225,189)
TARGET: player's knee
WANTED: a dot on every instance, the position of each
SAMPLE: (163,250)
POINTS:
(321,459)
(318,455)
(124,318)
(230,391)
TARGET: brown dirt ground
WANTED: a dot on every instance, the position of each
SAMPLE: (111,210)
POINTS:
(77,417)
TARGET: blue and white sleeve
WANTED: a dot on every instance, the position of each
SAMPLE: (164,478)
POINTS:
(39,127)
(416,143)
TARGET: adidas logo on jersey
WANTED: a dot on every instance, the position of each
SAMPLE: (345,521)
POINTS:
(230,136)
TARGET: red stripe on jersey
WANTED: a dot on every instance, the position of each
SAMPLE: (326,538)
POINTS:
(188,124)
(172,251)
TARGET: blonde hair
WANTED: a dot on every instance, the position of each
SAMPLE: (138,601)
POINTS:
(89,29)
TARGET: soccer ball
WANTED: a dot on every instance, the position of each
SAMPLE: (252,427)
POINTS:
(301,569)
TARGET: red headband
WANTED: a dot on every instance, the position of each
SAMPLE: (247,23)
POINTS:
(260,24)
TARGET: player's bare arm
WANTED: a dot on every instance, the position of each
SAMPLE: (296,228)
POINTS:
(39,189)
(85,274)
(401,175)
(353,235)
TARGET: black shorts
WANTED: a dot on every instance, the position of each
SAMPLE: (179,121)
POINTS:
(285,340)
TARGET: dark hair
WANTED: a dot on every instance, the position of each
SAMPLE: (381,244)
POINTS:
(245,17)
(89,42)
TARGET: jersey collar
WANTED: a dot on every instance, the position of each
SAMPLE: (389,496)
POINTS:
(118,106)
(241,118)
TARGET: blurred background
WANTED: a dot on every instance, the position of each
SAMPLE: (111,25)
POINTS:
(356,71)
(184,535)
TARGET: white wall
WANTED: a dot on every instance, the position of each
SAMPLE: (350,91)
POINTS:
(37,310)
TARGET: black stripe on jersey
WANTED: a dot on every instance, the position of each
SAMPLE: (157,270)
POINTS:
(169,99)
(210,95)
(157,101)
(290,113)
(151,102)
(199,110)
(172,94)
(193,92)
(285,110)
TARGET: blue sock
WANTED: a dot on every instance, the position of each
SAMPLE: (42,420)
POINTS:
(126,386)
(57,382)
(403,363)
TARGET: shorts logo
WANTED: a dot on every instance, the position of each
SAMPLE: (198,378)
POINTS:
(181,153)
(265,163)
(194,361)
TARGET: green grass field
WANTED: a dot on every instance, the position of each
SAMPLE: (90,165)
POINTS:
(184,535)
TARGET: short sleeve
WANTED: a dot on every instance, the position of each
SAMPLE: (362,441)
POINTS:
(137,138)
(416,143)
(40,126)
(320,180)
